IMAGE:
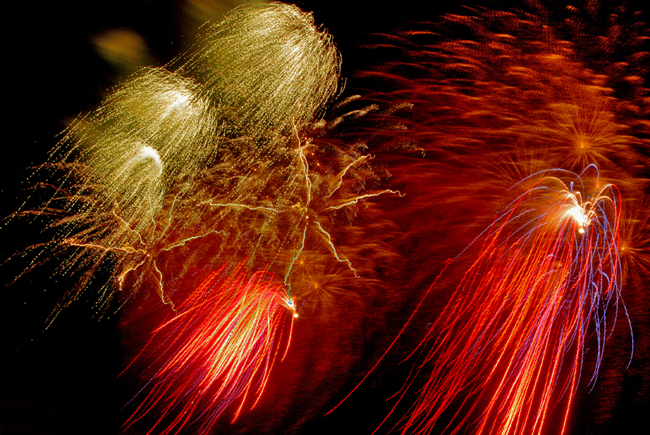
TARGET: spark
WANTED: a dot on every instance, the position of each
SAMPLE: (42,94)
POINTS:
(336,255)
(248,207)
(161,291)
(293,261)
(355,200)
(147,152)
(126,249)
(578,213)
(510,344)
(189,239)
(345,170)
(220,348)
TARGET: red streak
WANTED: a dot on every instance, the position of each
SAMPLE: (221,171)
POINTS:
(220,346)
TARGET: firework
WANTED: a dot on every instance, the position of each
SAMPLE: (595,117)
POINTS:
(547,274)
(461,121)
(462,113)
(214,148)
(267,67)
(225,336)
(220,157)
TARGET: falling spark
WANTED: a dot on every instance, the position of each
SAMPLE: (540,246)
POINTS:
(460,122)
(219,347)
(547,275)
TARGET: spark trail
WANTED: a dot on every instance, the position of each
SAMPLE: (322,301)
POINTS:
(474,104)
(219,157)
(546,277)
(218,348)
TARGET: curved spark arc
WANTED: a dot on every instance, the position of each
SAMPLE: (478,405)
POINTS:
(511,340)
(221,347)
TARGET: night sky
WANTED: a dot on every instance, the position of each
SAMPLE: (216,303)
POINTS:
(64,380)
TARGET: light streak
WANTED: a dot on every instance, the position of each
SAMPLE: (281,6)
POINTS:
(293,261)
(219,348)
(336,254)
(160,289)
(248,207)
(461,121)
(345,170)
(126,249)
(189,239)
(508,349)
(211,159)
(355,200)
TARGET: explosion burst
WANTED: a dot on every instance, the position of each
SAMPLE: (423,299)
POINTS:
(167,159)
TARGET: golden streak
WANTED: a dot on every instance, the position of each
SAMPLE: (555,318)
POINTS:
(211,158)
(360,197)
(336,255)
(267,66)
(344,171)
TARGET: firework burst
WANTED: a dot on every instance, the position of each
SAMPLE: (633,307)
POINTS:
(546,276)
(461,122)
(224,337)
(220,157)
(170,158)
